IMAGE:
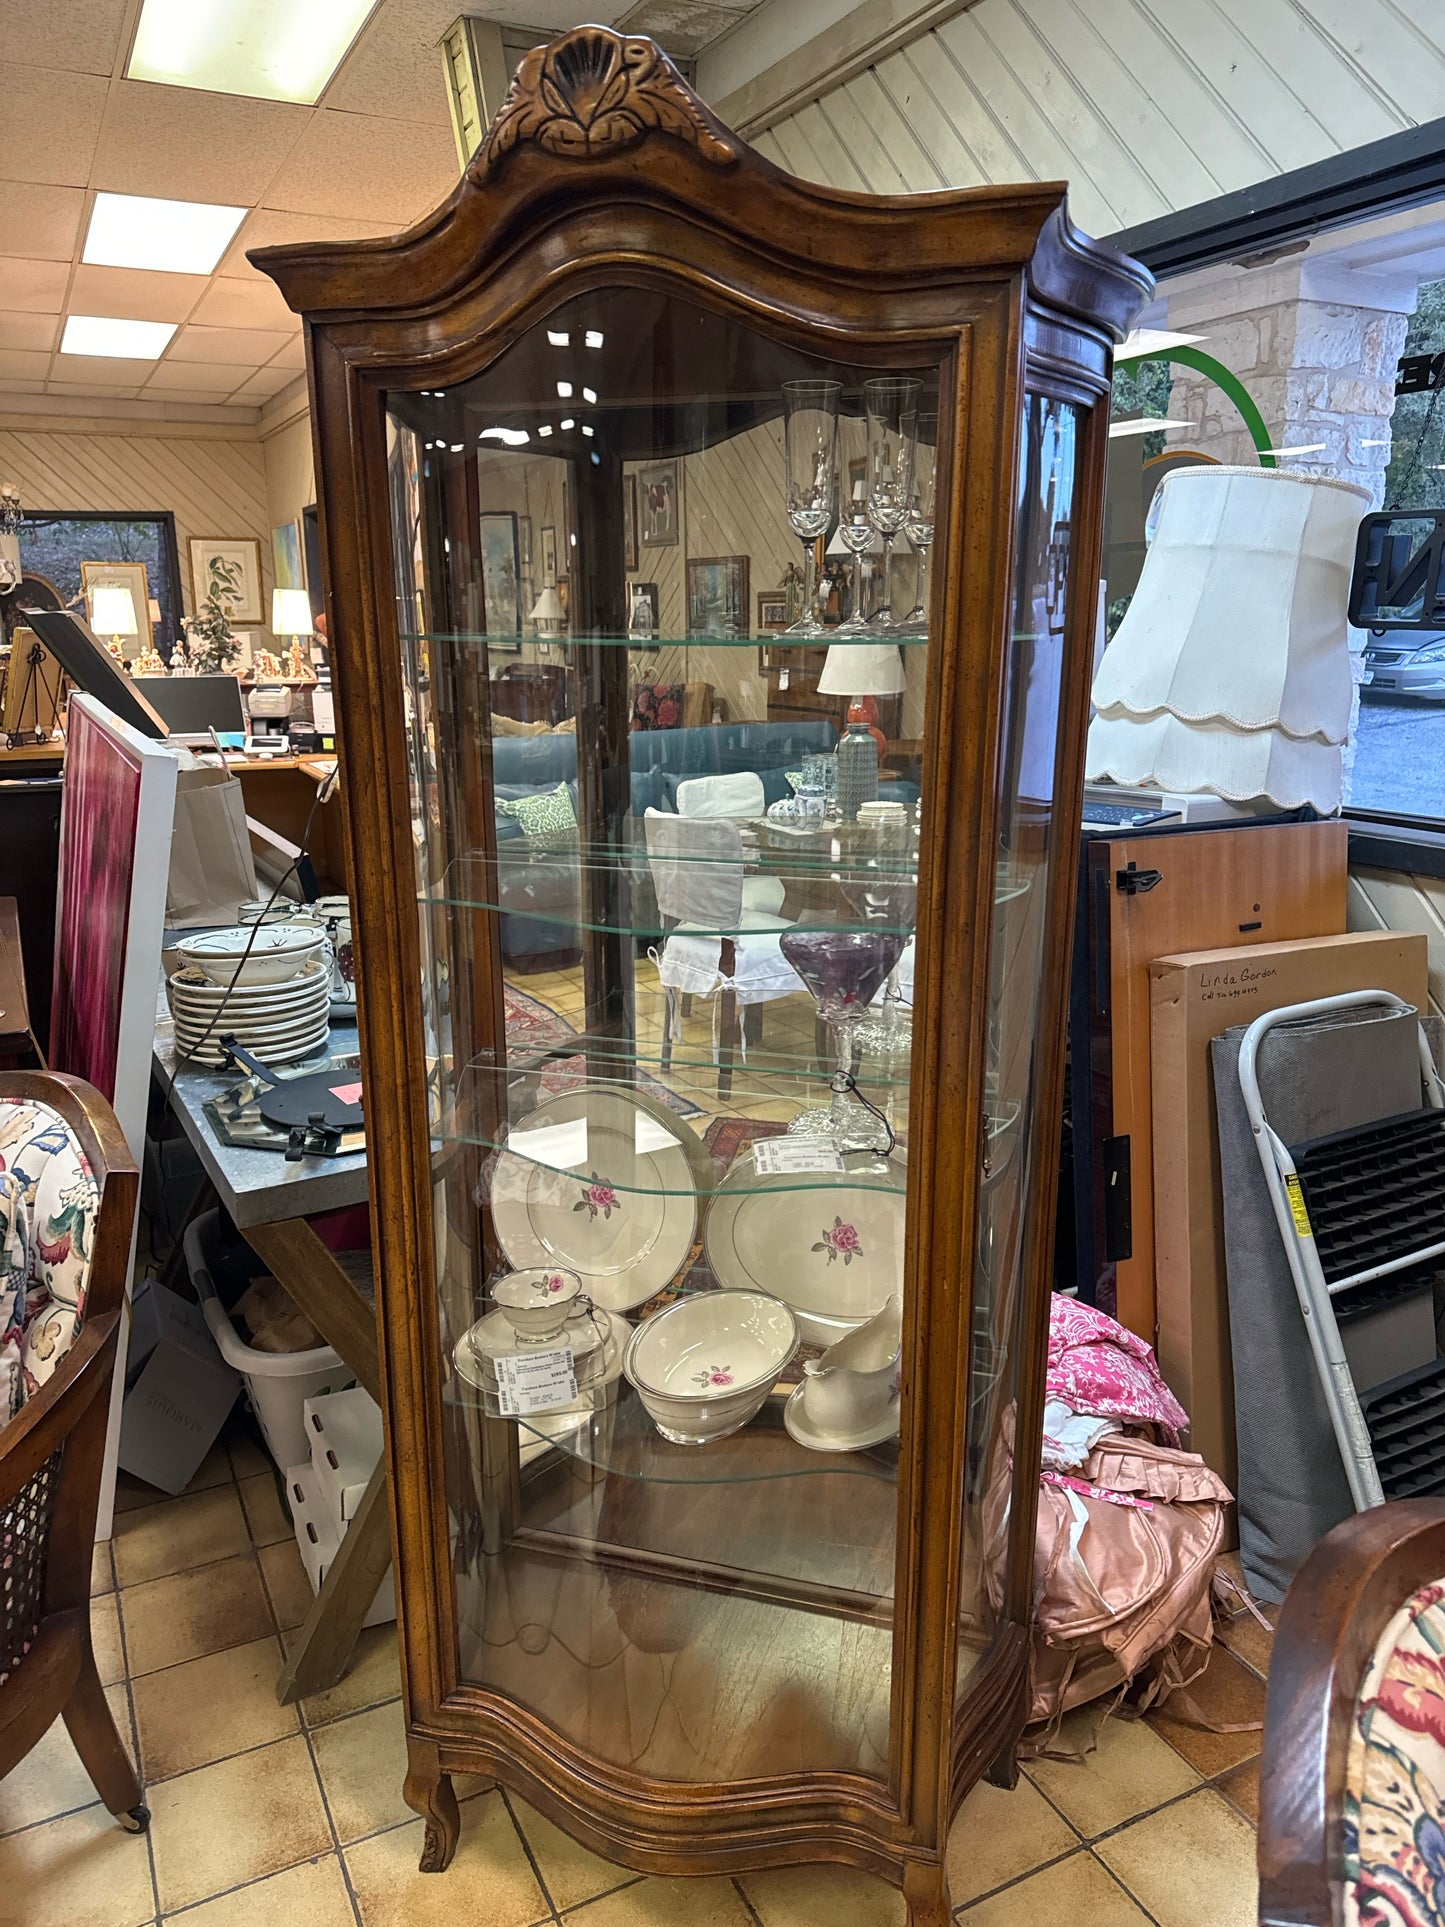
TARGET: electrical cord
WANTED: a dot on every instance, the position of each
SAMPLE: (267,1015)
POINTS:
(324,792)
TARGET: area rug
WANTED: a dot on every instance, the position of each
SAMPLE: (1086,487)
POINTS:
(535,1026)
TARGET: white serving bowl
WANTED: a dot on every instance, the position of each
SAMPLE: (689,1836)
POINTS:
(537,1303)
(277,952)
(705,1366)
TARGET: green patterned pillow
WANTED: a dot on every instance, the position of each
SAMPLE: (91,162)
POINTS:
(552,810)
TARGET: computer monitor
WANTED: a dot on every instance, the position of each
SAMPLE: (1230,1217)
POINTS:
(192,706)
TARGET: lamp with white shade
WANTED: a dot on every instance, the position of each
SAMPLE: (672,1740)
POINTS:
(112,613)
(1230,673)
(291,616)
(547,612)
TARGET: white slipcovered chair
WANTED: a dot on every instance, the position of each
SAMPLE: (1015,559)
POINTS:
(717,944)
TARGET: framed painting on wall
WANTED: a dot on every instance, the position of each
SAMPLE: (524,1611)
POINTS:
(231,566)
(660,515)
(123,575)
(717,595)
(629,522)
(501,570)
(288,558)
(549,558)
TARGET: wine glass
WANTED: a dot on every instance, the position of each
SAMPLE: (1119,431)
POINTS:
(857,533)
(919,523)
(810,410)
(891,402)
(843,970)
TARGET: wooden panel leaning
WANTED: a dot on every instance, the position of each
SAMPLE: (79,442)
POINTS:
(50,1464)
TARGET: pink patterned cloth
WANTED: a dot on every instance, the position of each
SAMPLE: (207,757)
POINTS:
(1096,1366)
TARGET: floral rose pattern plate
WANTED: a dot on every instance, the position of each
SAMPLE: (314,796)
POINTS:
(598,1184)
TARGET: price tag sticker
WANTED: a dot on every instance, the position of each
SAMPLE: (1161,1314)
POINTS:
(785,676)
(535,1381)
(790,1156)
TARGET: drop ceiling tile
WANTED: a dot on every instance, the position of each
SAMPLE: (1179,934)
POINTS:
(366,168)
(20,388)
(50,125)
(269,227)
(26,364)
(208,147)
(33,285)
(292,356)
(200,377)
(396,69)
(98,391)
(206,395)
(98,369)
(255,303)
(135,294)
(29,330)
(251,345)
(264,384)
(81,37)
(43,222)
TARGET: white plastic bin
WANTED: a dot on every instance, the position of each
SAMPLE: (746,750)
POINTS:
(277,1383)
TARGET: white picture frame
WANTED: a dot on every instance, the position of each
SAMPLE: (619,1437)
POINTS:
(233,563)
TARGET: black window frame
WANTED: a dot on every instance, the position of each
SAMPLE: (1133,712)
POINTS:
(167,520)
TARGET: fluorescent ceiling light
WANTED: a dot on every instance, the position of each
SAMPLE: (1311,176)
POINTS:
(587,428)
(512,437)
(569,423)
(1305,448)
(178,237)
(266,49)
(1145,425)
(558,337)
(94,334)
(1152,341)
(1382,442)
(544,431)
(589,394)
(593,337)
(564,389)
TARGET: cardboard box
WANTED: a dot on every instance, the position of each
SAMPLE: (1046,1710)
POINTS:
(178,1390)
(343,1430)
(1193,998)
(318,1542)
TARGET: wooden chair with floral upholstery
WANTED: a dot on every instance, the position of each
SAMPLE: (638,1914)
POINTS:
(1352,1782)
(67,1207)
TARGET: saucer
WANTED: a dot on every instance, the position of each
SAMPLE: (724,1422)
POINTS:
(592,1346)
(802,1431)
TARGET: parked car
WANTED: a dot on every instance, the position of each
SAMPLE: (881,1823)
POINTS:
(1405,662)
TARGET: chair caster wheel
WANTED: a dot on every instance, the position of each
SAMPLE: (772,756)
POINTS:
(137,1820)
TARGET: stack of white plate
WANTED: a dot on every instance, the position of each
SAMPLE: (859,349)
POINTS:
(281,1020)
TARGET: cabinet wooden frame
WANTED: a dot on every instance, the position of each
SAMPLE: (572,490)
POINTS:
(998,291)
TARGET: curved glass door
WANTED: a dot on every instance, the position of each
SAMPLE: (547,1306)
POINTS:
(667,897)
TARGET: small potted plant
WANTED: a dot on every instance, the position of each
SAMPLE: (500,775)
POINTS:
(211,648)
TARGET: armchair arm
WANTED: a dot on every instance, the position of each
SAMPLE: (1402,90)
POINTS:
(45,1422)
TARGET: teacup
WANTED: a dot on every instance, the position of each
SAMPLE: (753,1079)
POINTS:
(853,1388)
(537,1303)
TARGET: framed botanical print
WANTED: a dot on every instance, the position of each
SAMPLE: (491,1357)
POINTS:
(231,566)
(501,575)
(124,575)
(717,595)
(659,505)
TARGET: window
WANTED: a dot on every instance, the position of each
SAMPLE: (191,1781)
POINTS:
(54,545)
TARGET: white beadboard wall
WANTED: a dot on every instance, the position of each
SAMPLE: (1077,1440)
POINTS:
(1142,106)
(212,480)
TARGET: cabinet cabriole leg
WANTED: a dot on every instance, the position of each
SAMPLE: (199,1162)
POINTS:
(925,1888)
(428,1791)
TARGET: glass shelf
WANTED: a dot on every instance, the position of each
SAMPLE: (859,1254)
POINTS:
(830,639)
(784,847)
(619,1438)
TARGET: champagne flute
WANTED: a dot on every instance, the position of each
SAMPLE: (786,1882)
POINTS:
(811,453)
(891,402)
(857,533)
(919,523)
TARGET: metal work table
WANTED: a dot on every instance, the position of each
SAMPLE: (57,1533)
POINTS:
(270,1201)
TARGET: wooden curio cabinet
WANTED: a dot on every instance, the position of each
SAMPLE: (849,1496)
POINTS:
(704,1614)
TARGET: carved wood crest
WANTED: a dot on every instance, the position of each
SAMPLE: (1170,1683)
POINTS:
(593,92)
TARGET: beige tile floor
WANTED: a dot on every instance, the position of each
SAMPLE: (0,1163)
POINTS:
(267,1815)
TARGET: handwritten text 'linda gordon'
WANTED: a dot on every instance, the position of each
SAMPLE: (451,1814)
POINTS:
(1239,981)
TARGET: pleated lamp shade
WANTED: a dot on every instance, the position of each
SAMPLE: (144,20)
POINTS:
(1241,765)
(1239,616)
